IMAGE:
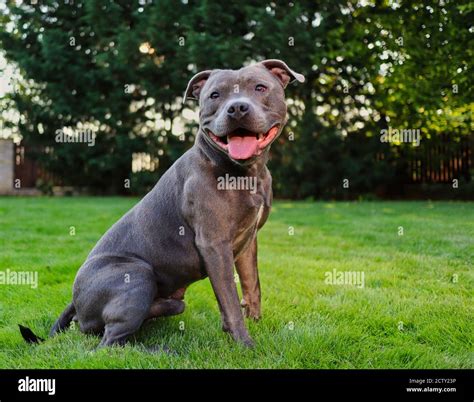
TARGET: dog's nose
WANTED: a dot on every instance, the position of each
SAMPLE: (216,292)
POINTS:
(238,109)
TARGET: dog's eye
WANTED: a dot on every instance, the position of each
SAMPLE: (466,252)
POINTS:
(260,88)
(214,95)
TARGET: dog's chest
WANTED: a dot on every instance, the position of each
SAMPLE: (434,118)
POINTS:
(247,222)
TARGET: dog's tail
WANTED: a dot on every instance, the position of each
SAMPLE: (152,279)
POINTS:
(64,320)
(28,335)
(60,325)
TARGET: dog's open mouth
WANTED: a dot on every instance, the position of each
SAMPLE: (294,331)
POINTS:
(243,144)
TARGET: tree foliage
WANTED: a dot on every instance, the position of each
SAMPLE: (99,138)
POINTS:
(120,68)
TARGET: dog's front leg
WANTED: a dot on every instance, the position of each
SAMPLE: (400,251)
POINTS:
(218,260)
(246,266)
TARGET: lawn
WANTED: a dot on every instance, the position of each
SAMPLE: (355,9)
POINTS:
(414,310)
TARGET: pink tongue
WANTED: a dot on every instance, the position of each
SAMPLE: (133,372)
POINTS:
(242,147)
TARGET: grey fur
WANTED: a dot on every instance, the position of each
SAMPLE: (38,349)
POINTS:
(185,229)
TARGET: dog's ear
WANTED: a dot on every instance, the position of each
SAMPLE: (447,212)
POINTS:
(281,71)
(195,85)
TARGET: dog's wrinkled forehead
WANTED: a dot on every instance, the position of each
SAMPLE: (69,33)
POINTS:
(235,81)
(273,73)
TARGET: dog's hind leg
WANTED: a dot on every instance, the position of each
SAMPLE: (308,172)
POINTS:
(165,308)
(124,314)
(172,305)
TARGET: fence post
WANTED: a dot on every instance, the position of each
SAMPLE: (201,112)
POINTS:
(6,166)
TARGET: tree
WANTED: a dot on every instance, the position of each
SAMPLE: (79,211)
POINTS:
(119,68)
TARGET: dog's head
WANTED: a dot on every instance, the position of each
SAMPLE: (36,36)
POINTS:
(242,111)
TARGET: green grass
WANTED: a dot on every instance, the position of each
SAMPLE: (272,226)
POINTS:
(415,310)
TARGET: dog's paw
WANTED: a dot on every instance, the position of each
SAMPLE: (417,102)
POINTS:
(244,339)
(253,314)
(247,342)
(251,310)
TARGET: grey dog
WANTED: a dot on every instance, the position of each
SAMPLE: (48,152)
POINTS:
(186,228)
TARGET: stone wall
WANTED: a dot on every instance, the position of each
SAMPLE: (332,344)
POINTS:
(6,166)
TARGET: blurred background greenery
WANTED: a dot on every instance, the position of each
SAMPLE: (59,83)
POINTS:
(119,68)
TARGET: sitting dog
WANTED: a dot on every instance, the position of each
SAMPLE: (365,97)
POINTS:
(188,228)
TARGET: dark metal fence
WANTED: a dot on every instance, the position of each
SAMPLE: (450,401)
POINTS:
(440,160)
(28,170)
(437,160)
